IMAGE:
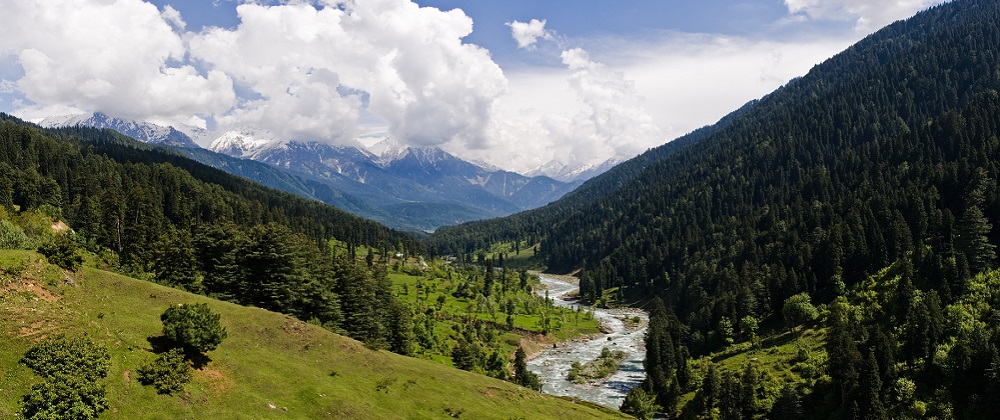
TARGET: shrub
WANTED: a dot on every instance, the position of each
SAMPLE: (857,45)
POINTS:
(69,398)
(168,373)
(49,210)
(71,368)
(798,310)
(61,251)
(640,404)
(12,236)
(68,357)
(194,327)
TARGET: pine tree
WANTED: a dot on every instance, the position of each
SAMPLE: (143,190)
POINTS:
(174,261)
(193,326)
(640,404)
(708,397)
(523,376)
(788,405)
(870,390)
(845,360)
(971,239)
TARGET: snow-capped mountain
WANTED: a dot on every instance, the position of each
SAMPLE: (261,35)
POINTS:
(396,175)
(244,142)
(143,131)
(196,134)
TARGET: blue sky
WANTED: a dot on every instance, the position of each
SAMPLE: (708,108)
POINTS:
(528,85)
(577,19)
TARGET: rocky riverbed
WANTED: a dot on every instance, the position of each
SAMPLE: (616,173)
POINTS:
(553,364)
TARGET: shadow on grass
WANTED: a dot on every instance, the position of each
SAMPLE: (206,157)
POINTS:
(162,344)
(782,339)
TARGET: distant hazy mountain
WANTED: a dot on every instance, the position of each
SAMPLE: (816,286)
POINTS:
(566,173)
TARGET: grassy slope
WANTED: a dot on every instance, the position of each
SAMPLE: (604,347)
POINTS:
(776,357)
(268,360)
(525,259)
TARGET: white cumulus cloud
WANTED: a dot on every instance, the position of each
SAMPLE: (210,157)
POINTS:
(526,34)
(111,56)
(317,68)
(867,14)
(616,118)
(582,115)
(173,17)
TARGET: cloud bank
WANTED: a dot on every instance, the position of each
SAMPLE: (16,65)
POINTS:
(654,91)
(117,56)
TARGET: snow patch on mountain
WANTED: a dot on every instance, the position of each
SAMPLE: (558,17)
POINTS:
(566,173)
(244,142)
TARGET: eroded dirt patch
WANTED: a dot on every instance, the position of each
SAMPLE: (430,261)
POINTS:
(216,381)
(38,329)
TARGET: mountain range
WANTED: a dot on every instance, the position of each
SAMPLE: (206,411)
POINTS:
(403,187)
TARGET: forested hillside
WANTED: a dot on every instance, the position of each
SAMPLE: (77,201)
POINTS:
(124,194)
(156,215)
(886,153)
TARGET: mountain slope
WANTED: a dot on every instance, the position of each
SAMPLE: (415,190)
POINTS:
(270,365)
(270,176)
(537,222)
(441,188)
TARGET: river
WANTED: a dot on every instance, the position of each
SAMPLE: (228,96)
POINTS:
(553,364)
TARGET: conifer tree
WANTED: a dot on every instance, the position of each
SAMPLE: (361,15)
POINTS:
(523,376)
(972,241)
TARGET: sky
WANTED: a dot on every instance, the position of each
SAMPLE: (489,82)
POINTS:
(520,84)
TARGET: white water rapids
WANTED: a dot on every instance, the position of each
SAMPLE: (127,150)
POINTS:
(553,364)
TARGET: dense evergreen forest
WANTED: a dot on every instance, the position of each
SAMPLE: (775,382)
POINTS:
(529,226)
(151,213)
(883,156)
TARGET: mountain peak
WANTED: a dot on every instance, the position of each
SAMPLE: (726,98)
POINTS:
(244,142)
(390,151)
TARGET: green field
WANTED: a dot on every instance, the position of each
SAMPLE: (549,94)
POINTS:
(434,291)
(270,366)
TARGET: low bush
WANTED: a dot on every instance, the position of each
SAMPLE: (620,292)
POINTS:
(70,368)
(168,373)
